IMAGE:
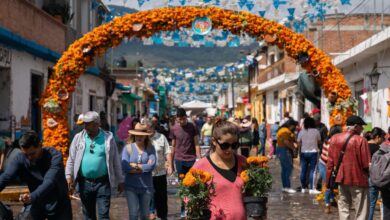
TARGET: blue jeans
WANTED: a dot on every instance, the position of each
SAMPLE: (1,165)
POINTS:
(285,158)
(328,194)
(308,160)
(262,146)
(138,202)
(92,193)
(182,167)
(206,140)
(373,198)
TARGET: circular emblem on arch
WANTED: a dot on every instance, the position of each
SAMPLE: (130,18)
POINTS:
(202,25)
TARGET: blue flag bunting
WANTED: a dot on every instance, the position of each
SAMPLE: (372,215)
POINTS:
(262,13)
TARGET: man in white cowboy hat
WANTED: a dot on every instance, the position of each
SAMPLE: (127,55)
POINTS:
(94,165)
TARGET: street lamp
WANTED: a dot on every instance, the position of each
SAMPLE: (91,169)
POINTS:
(374,78)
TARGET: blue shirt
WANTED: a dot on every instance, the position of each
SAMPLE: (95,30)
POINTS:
(262,131)
(94,163)
(274,131)
(139,182)
(45,179)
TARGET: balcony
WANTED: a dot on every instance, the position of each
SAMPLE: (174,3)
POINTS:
(26,20)
(282,66)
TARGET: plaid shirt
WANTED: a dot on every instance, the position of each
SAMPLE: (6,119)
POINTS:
(355,164)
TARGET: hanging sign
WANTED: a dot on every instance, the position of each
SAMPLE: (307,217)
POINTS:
(5,57)
(202,25)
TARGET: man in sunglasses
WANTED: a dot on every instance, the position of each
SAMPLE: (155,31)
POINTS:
(94,165)
(42,170)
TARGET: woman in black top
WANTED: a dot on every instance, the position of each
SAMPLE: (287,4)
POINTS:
(374,138)
(255,135)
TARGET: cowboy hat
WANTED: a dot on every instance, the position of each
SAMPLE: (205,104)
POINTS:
(140,130)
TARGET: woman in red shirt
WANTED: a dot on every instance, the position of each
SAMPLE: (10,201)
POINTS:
(225,166)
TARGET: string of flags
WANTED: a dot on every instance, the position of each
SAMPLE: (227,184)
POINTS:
(283,11)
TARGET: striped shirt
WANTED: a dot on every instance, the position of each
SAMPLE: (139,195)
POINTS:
(324,154)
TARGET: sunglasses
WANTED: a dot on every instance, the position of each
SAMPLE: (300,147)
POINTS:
(91,147)
(225,146)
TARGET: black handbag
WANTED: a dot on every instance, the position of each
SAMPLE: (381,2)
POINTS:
(332,178)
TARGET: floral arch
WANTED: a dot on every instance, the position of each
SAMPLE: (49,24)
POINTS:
(81,53)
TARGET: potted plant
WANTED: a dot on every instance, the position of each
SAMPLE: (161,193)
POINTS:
(196,190)
(257,183)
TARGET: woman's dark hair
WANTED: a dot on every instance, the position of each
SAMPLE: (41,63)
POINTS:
(221,127)
(309,123)
(29,139)
(335,129)
(306,115)
(255,123)
(375,132)
(288,123)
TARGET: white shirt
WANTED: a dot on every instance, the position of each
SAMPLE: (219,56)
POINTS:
(162,148)
(309,139)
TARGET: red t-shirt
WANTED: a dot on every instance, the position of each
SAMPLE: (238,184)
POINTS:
(185,141)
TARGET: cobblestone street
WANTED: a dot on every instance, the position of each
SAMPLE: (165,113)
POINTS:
(300,206)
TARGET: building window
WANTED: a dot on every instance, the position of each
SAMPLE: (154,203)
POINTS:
(281,55)
(271,59)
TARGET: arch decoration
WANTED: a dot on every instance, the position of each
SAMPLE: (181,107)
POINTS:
(81,53)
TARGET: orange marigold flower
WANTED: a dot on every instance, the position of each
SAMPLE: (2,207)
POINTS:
(189,180)
(244,176)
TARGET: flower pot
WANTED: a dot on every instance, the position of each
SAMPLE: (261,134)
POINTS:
(206,216)
(255,206)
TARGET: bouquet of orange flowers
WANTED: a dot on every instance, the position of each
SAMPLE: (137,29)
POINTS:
(196,190)
(256,177)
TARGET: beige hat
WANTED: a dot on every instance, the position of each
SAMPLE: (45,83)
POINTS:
(141,130)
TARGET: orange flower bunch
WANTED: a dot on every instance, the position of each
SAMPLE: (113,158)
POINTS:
(260,161)
(256,176)
(82,52)
(196,175)
(196,190)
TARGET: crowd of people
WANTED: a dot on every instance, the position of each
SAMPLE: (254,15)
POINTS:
(145,150)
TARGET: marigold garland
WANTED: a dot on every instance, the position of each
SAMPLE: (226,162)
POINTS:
(81,53)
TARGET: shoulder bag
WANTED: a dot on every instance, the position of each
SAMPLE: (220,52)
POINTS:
(332,179)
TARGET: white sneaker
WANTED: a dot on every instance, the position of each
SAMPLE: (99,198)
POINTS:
(314,192)
(289,190)
(304,190)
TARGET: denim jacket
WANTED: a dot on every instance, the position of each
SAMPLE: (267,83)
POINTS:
(76,153)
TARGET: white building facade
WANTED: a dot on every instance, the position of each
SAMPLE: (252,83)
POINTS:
(372,55)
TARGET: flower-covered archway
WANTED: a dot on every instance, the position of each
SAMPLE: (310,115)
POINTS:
(81,53)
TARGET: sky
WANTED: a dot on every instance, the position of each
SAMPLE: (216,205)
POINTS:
(363,6)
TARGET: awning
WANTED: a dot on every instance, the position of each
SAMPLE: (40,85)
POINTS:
(129,98)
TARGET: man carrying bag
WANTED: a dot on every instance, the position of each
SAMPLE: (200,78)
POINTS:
(348,165)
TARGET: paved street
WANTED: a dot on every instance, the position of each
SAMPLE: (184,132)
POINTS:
(280,205)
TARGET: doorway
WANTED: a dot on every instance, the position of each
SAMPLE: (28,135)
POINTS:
(36,92)
(5,97)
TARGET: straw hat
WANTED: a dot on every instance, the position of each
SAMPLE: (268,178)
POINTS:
(141,130)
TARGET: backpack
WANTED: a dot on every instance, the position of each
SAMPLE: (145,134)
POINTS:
(5,212)
(380,168)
